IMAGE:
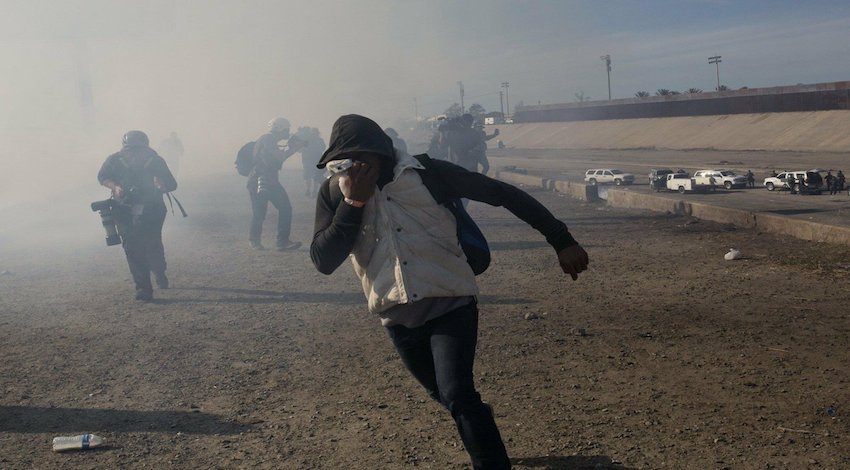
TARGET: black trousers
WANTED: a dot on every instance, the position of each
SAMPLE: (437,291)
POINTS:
(440,355)
(142,242)
(259,206)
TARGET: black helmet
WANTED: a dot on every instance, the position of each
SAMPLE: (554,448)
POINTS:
(136,139)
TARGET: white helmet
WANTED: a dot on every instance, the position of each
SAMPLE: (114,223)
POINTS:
(278,124)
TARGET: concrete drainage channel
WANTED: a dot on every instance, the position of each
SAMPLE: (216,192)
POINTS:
(623,198)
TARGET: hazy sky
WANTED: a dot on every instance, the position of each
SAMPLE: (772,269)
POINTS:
(77,74)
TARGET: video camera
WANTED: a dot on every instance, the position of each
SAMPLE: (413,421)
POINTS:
(296,142)
(107,209)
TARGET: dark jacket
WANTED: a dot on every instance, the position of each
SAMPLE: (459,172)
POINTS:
(337,225)
(134,169)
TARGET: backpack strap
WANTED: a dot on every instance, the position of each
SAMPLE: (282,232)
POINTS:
(432,180)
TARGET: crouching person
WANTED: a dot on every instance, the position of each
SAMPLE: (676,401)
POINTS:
(404,248)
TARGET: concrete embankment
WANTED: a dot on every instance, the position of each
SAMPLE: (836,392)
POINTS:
(625,198)
(823,131)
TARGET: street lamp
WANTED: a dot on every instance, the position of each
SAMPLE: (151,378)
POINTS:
(505,85)
(716,61)
(607,59)
(502,102)
(462,108)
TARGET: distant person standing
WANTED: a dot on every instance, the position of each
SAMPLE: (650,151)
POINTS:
(830,182)
(311,153)
(839,181)
(171,150)
(438,148)
(138,178)
(480,149)
(264,185)
(398,142)
(464,144)
(792,183)
(751,179)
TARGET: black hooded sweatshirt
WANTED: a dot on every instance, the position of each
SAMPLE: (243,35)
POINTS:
(337,224)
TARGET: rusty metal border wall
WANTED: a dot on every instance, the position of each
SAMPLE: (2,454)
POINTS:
(818,97)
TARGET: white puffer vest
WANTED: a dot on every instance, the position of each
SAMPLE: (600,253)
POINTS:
(407,249)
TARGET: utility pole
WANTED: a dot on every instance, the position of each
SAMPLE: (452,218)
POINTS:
(505,85)
(607,59)
(462,108)
(716,61)
(502,103)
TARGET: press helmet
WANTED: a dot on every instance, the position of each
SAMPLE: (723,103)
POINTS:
(278,124)
(136,139)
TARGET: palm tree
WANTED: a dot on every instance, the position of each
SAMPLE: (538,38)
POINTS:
(642,94)
(693,91)
(581,97)
(723,88)
(662,92)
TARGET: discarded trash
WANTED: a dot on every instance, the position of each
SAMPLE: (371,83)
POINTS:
(81,442)
(831,412)
(732,255)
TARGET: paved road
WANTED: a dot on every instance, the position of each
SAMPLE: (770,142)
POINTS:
(827,209)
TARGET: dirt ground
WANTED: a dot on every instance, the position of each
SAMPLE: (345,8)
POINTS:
(662,355)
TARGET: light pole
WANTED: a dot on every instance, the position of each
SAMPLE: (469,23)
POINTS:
(607,59)
(502,103)
(462,108)
(505,85)
(716,61)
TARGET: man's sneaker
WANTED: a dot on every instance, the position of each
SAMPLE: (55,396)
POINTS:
(144,295)
(257,245)
(288,246)
(161,280)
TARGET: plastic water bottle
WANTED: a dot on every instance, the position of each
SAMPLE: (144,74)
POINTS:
(81,442)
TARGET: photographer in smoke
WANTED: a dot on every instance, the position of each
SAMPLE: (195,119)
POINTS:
(138,177)
(264,184)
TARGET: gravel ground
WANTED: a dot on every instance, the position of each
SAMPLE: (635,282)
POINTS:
(662,355)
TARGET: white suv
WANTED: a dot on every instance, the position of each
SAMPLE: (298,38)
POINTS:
(618,177)
(726,178)
(813,181)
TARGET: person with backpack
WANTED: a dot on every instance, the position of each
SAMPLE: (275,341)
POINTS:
(310,155)
(264,184)
(138,178)
(391,214)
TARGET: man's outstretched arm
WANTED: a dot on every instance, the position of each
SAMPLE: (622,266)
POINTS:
(462,183)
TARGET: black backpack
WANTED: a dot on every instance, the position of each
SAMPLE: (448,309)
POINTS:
(245,159)
(471,240)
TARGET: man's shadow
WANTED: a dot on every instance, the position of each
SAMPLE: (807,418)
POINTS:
(34,419)
(257,296)
(571,462)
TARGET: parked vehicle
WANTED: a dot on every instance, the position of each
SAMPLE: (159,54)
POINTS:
(726,178)
(683,183)
(608,176)
(812,182)
(658,177)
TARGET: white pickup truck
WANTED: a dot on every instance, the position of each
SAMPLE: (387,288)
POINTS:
(683,183)
(726,178)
